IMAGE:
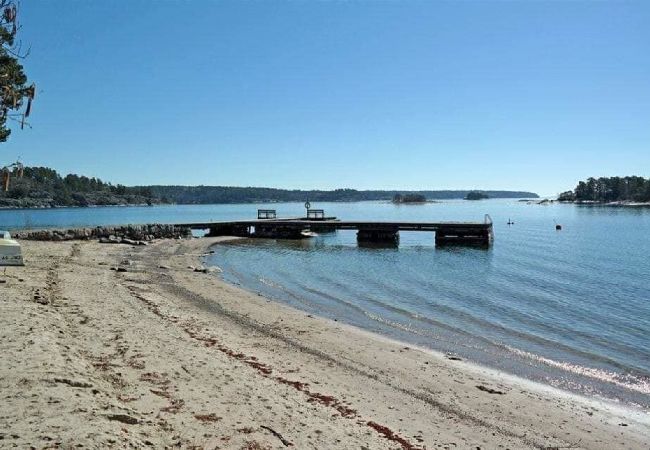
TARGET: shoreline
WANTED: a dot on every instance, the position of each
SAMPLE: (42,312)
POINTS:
(265,202)
(615,204)
(623,409)
(636,413)
(159,354)
(49,207)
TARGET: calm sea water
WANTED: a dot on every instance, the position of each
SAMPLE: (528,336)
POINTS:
(568,308)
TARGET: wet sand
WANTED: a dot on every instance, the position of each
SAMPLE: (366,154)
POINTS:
(108,345)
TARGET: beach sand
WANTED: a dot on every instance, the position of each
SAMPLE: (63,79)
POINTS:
(158,355)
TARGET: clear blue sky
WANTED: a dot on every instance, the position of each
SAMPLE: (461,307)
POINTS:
(426,95)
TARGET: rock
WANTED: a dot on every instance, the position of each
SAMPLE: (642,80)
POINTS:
(73,383)
(211,269)
(489,390)
(121,269)
(41,300)
(136,234)
(129,241)
(124,418)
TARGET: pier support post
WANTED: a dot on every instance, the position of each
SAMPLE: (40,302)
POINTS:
(380,235)
(229,230)
(322,228)
(278,231)
(464,236)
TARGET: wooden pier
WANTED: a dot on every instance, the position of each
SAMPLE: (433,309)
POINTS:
(446,233)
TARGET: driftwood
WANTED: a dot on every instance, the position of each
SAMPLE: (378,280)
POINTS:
(489,390)
(278,435)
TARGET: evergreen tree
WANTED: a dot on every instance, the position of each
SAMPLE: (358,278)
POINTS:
(610,189)
(16,94)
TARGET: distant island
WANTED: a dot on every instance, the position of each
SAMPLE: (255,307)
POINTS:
(476,195)
(42,187)
(631,190)
(413,199)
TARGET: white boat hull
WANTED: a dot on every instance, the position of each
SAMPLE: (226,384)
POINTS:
(10,252)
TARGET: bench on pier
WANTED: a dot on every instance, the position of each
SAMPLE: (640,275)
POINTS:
(266,214)
(315,214)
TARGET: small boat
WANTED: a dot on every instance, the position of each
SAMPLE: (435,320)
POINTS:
(10,251)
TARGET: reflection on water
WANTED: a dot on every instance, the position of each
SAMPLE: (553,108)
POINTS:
(394,245)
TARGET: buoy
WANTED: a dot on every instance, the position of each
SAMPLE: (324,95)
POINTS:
(510,222)
(558,227)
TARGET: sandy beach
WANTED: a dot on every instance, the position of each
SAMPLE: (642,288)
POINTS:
(108,345)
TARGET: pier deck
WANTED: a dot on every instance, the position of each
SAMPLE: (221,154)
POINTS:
(464,233)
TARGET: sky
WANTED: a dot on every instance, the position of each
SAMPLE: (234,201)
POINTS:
(522,95)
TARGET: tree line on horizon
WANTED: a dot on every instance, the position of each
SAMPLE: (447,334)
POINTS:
(45,187)
(232,194)
(609,189)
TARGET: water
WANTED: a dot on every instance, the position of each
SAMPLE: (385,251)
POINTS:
(568,308)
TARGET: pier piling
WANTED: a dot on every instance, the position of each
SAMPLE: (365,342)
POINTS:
(388,235)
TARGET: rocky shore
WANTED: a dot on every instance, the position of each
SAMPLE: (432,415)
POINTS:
(108,234)
(622,203)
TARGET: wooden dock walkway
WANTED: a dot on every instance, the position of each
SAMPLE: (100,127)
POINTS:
(446,233)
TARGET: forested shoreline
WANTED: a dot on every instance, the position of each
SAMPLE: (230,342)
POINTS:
(231,194)
(43,187)
(631,189)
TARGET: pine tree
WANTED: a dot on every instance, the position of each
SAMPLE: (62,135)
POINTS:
(16,94)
